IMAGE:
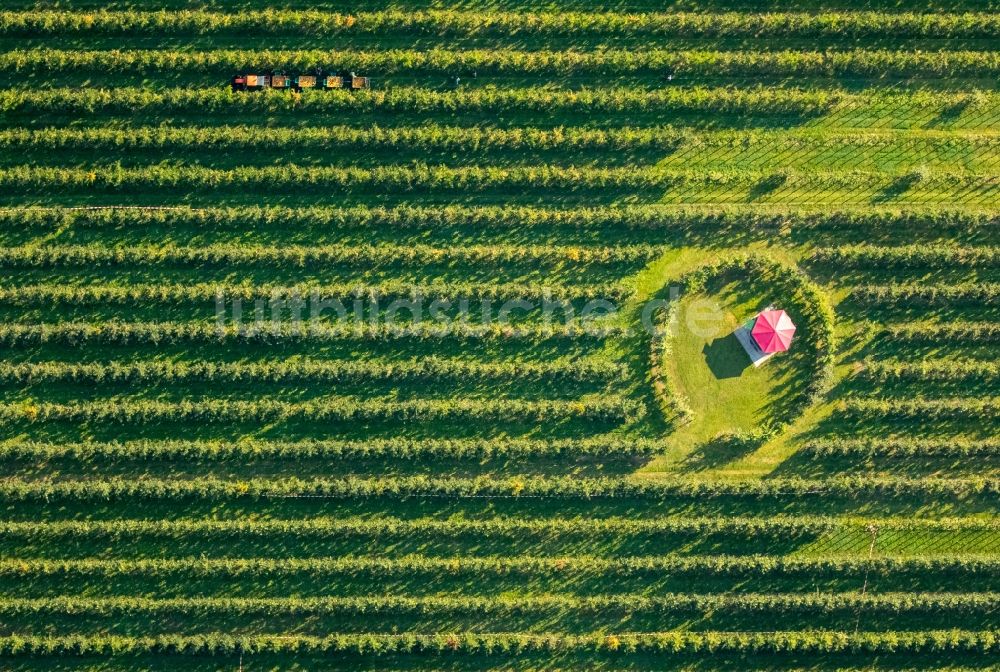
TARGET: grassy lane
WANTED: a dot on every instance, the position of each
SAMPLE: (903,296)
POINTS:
(569,614)
(658,224)
(120,537)
(470,575)
(883,150)
(605,184)
(821,105)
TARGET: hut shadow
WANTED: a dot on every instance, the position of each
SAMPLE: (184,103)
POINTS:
(725,357)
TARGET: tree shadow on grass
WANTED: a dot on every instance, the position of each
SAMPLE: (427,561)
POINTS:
(767,186)
(898,187)
(949,114)
(719,451)
(725,357)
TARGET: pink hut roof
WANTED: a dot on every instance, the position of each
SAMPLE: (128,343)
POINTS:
(773,330)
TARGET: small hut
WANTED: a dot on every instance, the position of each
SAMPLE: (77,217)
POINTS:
(768,332)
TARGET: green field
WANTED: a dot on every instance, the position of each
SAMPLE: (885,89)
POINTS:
(442,375)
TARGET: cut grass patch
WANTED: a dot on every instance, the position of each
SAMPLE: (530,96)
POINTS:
(710,368)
